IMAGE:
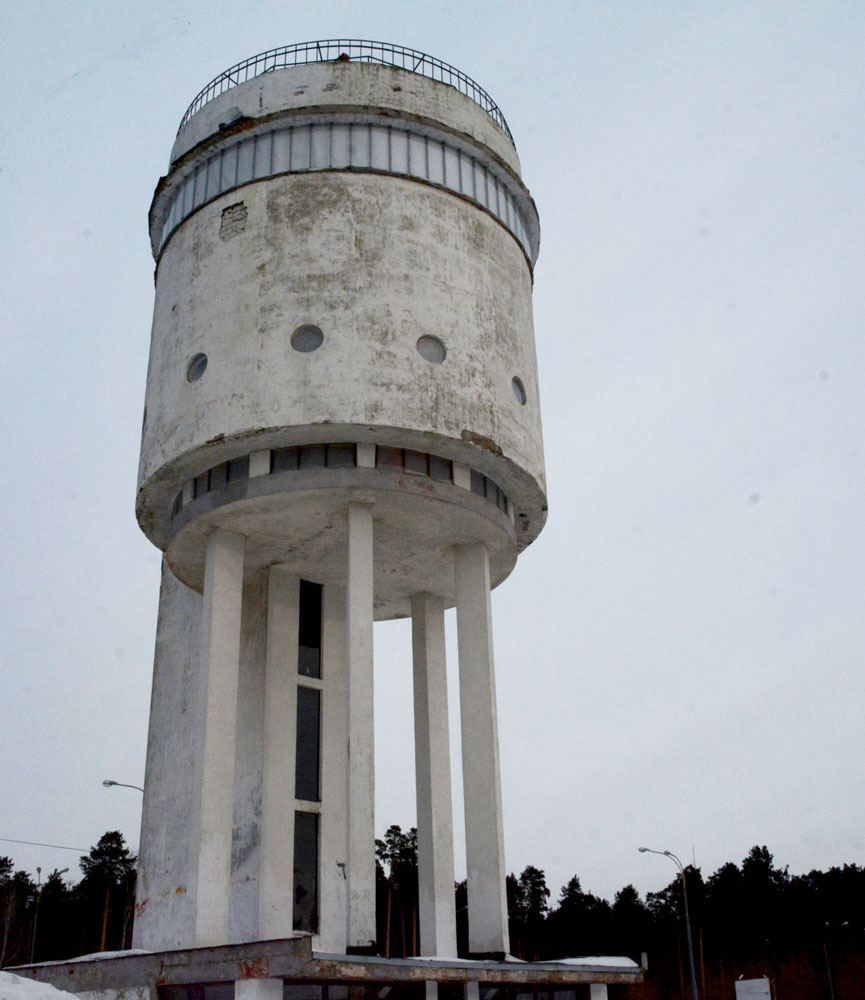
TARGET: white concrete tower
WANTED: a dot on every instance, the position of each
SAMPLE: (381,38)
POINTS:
(342,425)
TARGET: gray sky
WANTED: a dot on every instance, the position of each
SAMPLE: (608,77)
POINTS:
(680,655)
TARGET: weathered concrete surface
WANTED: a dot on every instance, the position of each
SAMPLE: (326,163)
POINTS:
(333,880)
(220,658)
(297,519)
(278,739)
(294,959)
(482,793)
(360,792)
(375,262)
(167,872)
(435,840)
(354,85)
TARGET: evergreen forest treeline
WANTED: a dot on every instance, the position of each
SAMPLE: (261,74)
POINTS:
(748,920)
(806,932)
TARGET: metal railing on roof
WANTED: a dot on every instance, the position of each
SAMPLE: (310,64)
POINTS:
(347,49)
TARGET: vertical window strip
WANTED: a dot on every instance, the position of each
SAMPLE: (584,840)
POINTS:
(305,894)
(308,752)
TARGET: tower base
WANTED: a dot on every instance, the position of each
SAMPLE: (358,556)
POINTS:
(290,969)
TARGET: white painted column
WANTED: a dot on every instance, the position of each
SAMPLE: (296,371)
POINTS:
(435,848)
(360,851)
(276,869)
(333,874)
(485,850)
(258,989)
(220,659)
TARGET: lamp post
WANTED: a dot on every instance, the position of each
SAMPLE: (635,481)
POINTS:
(110,783)
(678,864)
(122,784)
(39,889)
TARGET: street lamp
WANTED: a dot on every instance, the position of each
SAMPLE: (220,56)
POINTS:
(122,784)
(39,889)
(678,863)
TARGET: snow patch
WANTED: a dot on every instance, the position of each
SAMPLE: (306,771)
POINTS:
(14,987)
(610,961)
(97,956)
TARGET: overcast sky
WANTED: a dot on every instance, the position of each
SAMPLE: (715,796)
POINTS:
(680,655)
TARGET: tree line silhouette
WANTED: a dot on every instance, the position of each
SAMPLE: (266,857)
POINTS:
(753,919)
(804,932)
(41,921)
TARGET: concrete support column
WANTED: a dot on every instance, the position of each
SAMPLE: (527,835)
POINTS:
(220,658)
(276,870)
(597,991)
(258,989)
(485,850)
(360,852)
(438,934)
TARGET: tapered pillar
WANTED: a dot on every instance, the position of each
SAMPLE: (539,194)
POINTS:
(276,872)
(360,853)
(220,658)
(485,851)
(433,779)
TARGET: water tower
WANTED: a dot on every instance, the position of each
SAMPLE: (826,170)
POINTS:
(342,425)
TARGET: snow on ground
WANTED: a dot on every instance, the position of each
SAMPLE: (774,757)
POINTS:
(14,987)
(98,956)
(610,961)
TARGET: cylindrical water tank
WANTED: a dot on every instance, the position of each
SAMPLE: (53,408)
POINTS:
(343,311)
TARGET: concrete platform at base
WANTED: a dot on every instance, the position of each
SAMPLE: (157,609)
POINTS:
(153,975)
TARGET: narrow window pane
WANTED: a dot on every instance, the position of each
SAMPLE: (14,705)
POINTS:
(302,991)
(312,456)
(388,458)
(441,468)
(340,146)
(308,739)
(213,176)
(188,186)
(416,462)
(480,175)
(379,148)
(309,632)
(320,147)
(229,169)
(360,143)
(305,872)
(478,483)
(283,459)
(452,168)
(238,468)
(340,456)
(282,151)
(435,160)
(398,152)
(219,476)
(245,157)
(199,486)
(300,140)
(263,147)
(417,156)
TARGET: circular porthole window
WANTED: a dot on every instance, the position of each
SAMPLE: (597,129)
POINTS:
(519,390)
(307,338)
(195,368)
(431,349)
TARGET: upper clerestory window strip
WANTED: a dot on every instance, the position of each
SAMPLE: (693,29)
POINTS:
(333,146)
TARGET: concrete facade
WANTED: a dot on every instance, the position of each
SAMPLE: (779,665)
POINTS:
(342,425)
